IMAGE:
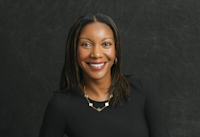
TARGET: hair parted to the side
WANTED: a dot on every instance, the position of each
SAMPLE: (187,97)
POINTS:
(71,74)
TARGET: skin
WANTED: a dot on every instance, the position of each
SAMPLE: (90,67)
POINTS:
(96,44)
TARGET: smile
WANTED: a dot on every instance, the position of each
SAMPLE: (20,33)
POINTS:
(96,65)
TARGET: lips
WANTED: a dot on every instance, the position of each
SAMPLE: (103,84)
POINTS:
(96,65)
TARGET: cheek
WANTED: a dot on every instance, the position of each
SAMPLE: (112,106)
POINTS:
(81,55)
(111,53)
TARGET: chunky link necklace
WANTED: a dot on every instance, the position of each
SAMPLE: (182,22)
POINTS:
(91,104)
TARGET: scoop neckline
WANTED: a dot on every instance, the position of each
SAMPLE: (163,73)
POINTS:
(97,101)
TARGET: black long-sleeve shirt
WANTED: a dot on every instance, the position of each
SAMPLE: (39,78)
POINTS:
(69,113)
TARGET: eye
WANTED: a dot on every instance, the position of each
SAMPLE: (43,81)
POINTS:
(86,44)
(106,44)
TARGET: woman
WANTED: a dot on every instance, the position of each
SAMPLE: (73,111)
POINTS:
(95,98)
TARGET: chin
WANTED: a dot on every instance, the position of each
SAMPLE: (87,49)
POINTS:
(97,75)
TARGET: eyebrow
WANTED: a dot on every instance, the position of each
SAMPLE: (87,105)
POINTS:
(101,40)
(85,38)
(108,38)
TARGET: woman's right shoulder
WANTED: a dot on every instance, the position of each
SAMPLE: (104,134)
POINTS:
(62,95)
(57,98)
(65,97)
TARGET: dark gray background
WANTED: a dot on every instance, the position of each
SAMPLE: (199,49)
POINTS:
(160,42)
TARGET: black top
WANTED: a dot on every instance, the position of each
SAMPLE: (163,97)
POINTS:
(69,113)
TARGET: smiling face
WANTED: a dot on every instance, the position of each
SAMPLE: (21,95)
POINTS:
(96,51)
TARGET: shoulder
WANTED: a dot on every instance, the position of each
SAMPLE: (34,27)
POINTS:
(55,101)
(65,98)
(59,98)
(60,95)
(133,81)
(140,84)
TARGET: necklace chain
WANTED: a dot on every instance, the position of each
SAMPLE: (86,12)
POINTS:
(106,104)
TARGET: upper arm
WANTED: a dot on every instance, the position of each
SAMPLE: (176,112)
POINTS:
(53,124)
(153,112)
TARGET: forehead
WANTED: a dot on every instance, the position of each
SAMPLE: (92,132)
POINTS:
(96,29)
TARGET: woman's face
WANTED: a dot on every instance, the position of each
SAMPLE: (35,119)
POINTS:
(96,50)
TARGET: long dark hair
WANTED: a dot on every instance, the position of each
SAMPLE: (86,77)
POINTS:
(71,74)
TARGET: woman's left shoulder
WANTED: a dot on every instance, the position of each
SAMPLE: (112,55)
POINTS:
(133,81)
(141,84)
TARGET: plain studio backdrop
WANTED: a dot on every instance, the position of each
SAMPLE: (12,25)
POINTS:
(160,42)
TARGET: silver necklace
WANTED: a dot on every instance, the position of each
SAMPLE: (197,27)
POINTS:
(91,104)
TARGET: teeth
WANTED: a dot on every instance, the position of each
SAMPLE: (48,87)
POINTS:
(97,65)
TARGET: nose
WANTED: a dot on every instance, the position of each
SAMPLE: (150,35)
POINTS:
(96,51)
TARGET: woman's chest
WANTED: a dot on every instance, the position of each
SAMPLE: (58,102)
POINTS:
(128,120)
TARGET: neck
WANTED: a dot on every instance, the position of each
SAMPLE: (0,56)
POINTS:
(97,89)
